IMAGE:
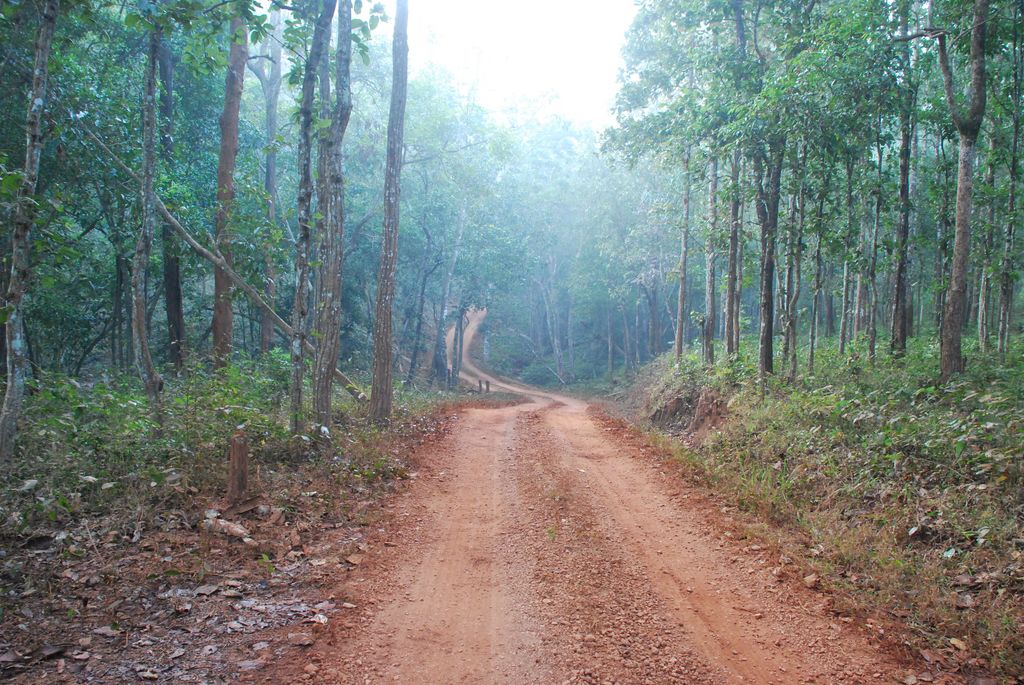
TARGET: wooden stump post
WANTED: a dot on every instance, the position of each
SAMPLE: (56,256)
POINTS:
(238,467)
(481,383)
(488,386)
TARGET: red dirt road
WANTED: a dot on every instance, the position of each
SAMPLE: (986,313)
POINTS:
(540,545)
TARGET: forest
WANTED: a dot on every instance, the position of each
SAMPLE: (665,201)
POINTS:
(253,251)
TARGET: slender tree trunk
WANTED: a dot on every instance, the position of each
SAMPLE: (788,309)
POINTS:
(738,296)
(710,303)
(440,349)
(453,381)
(381,394)
(317,50)
(898,332)
(942,239)
(331,208)
(844,322)
(653,313)
(173,301)
(684,250)
(732,279)
(570,345)
(238,54)
(951,360)
(270,81)
(828,300)
(626,345)
(638,345)
(984,278)
(21,239)
(794,278)
(551,316)
(768,217)
(117,309)
(815,309)
(873,265)
(143,360)
(418,333)
(1006,275)
(610,334)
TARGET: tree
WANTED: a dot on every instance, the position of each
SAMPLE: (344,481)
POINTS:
(223,315)
(21,234)
(317,50)
(381,392)
(968,124)
(1016,106)
(332,223)
(684,251)
(270,82)
(710,302)
(173,299)
(140,334)
(900,310)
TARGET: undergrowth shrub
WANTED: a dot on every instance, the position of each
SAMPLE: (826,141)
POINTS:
(909,492)
(92,448)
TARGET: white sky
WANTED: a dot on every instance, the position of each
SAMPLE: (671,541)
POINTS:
(550,57)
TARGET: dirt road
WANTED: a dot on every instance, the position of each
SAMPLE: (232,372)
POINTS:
(541,544)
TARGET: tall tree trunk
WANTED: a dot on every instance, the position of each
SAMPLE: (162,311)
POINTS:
(1006,271)
(794,263)
(942,239)
(898,333)
(610,334)
(653,315)
(739,280)
(381,394)
(710,301)
(768,216)
(570,344)
(872,313)
(238,54)
(418,333)
(627,346)
(860,306)
(638,343)
(440,348)
(551,316)
(732,279)
(815,309)
(951,360)
(844,324)
(21,239)
(457,339)
(331,207)
(270,82)
(984,273)
(684,251)
(173,301)
(117,309)
(143,360)
(828,300)
(318,47)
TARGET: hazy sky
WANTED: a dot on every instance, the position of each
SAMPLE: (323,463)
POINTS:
(551,56)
